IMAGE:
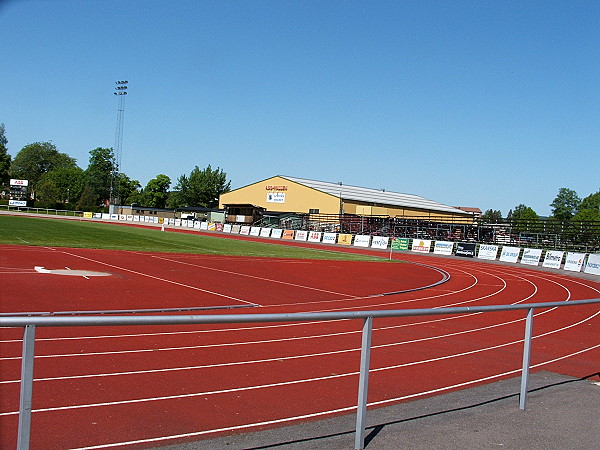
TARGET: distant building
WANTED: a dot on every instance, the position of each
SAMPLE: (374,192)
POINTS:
(475,211)
(299,195)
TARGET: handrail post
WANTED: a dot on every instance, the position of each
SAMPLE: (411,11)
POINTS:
(526,359)
(24,431)
(363,383)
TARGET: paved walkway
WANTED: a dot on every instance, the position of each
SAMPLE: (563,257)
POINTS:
(562,413)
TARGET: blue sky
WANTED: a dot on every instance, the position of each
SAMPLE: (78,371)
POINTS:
(474,103)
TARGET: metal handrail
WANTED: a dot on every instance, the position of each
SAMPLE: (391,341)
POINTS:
(29,323)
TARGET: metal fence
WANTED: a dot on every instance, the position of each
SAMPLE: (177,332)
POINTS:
(29,324)
(47,211)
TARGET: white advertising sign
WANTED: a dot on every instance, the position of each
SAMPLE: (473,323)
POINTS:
(105,216)
(510,254)
(130,217)
(227,228)
(553,259)
(14,182)
(329,238)
(574,261)
(122,217)
(254,231)
(265,232)
(114,217)
(380,242)
(277,233)
(198,225)
(314,236)
(203,225)
(301,235)
(421,245)
(487,251)
(531,256)
(17,203)
(177,222)
(97,215)
(593,264)
(245,230)
(275,197)
(443,248)
(362,240)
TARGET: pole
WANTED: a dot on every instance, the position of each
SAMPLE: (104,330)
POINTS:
(526,359)
(24,429)
(363,383)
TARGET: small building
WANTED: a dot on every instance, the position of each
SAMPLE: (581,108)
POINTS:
(136,210)
(188,212)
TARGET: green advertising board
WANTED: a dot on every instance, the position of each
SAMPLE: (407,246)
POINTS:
(400,243)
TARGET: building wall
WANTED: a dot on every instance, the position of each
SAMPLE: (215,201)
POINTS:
(282,195)
(279,194)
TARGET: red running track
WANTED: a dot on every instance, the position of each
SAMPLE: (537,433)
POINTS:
(139,387)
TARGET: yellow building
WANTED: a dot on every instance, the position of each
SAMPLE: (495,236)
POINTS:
(298,195)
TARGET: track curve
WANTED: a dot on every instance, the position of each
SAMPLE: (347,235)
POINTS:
(143,387)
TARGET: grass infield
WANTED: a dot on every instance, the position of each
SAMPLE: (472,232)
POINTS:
(25,230)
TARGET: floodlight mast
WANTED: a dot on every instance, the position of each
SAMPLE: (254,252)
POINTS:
(120,92)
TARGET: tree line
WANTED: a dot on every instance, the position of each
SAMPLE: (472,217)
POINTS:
(56,181)
(567,206)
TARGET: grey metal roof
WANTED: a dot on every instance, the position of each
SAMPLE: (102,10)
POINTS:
(378,196)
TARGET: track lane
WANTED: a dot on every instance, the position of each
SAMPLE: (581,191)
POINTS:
(495,286)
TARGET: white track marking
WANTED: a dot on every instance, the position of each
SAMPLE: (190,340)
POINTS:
(270,280)
(329,412)
(71,272)
(307,380)
(159,278)
(387,400)
(310,355)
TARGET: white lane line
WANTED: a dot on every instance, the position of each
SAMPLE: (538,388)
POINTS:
(307,380)
(328,412)
(259,327)
(270,280)
(393,344)
(161,279)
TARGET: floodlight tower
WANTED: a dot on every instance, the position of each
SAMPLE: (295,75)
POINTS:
(120,92)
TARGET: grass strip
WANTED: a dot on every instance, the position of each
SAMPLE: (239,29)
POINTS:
(53,232)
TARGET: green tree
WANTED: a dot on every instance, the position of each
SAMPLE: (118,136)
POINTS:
(100,174)
(566,204)
(61,186)
(88,201)
(587,215)
(37,159)
(523,212)
(589,209)
(592,201)
(128,189)
(491,216)
(200,188)
(523,218)
(4,157)
(156,192)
